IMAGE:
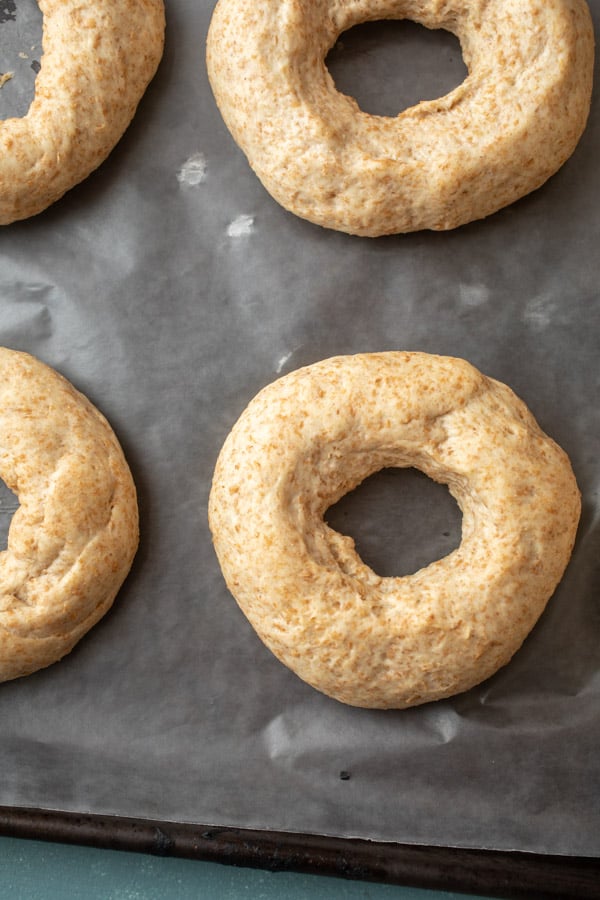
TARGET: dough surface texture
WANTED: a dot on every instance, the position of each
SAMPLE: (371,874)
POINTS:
(312,436)
(499,135)
(72,540)
(98,58)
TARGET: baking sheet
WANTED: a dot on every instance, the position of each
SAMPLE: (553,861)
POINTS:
(169,288)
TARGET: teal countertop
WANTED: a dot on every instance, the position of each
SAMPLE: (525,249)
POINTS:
(36,870)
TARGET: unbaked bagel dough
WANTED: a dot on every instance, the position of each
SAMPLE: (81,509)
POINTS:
(73,538)
(312,436)
(502,133)
(98,58)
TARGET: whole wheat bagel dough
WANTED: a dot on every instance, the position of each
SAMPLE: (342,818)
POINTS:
(502,133)
(98,58)
(312,436)
(72,540)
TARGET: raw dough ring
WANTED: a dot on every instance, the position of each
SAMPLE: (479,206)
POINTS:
(503,132)
(98,58)
(73,538)
(314,435)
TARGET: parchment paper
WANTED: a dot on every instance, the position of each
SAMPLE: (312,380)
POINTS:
(169,288)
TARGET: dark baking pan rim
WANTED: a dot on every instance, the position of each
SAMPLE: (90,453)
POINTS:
(494,873)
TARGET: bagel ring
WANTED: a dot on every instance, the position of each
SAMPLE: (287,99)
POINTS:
(502,133)
(312,436)
(72,540)
(98,58)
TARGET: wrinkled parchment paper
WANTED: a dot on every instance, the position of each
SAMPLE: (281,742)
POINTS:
(169,288)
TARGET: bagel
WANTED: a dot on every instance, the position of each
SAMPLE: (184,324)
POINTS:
(72,540)
(98,58)
(312,436)
(442,163)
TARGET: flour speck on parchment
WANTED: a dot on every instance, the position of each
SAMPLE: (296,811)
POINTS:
(240,226)
(193,171)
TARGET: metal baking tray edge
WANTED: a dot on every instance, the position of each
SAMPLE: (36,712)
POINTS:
(504,874)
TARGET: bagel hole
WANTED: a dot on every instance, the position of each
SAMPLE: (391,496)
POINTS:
(400,521)
(390,65)
(8,507)
(21,24)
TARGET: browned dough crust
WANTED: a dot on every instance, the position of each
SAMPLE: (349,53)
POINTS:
(502,133)
(73,538)
(98,58)
(314,435)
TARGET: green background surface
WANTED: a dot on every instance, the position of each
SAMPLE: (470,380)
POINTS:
(36,869)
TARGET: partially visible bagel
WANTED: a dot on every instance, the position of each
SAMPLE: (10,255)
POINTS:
(98,58)
(312,436)
(442,163)
(72,540)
